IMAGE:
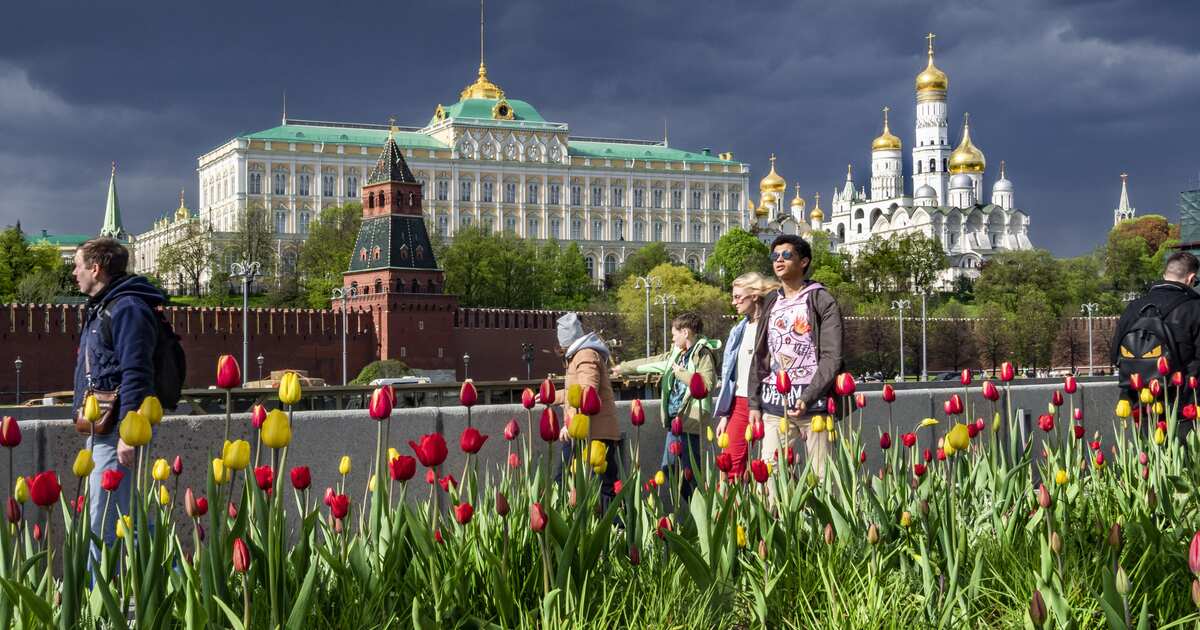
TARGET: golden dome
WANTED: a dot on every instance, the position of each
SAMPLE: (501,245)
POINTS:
(798,201)
(967,158)
(817,213)
(762,210)
(182,212)
(886,141)
(482,87)
(931,78)
(772,182)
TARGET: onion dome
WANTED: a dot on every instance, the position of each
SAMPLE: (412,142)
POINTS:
(1002,184)
(798,203)
(817,213)
(886,140)
(932,81)
(182,212)
(926,192)
(967,158)
(772,183)
(961,180)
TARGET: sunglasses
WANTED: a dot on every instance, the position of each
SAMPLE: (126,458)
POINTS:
(786,255)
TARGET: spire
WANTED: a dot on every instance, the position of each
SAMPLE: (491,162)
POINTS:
(482,87)
(391,166)
(112,211)
(1123,206)
(1001,169)
(848,189)
(284,106)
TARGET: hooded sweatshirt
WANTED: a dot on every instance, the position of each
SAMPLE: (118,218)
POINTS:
(587,366)
(122,356)
(700,359)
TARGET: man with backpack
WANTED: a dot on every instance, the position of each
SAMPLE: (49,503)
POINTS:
(1165,322)
(122,341)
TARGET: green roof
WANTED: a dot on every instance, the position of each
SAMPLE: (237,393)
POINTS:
(344,135)
(58,240)
(628,151)
(402,241)
(481,108)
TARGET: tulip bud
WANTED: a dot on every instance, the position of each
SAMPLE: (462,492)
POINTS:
(843,384)
(514,461)
(10,431)
(889,393)
(229,374)
(512,430)
(635,556)
(1196,592)
(467,395)
(380,405)
(1043,497)
(1164,366)
(546,392)
(1007,373)
(905,519)
(1070,385)
(829,533)
(548,427)
(537,517)
(84,464)
(528,398)
(241,556)
(783,382)
(258,415)
(344,465)
(990,392)
(1061,477)
(873,534)
(860,400)
(762,549)
(232,511)
(12,511)
(637,415)
(1136,382)
(885,441)
(161,471)
(1122,581)
(1056,398)
(289,388)
(1037,609)
(1193,382)
(1056,543)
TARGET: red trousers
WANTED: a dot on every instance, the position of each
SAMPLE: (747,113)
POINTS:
(739,419)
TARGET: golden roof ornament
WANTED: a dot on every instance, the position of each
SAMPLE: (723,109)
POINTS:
(798,202)
(182,211)
(931,80)
(967,158)
(482,87)
(817,213)
(886,140)
(772,183)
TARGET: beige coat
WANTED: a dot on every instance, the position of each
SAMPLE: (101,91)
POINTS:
(587,367)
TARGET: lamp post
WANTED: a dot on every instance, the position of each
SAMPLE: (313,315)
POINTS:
(344,294)
(899,306)
(647,282)
(1090,310)
(260,364)
(17,364)
(527,357)
(924,364)
(665,299)
(466,366)
(248,272)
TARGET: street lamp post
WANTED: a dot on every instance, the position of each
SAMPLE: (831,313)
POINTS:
(17,364)
(344,294)
(647,282)
(260,364)
(924,364)
(527,356)
(1090,310)
(248,272)
(665,299)
(899,306)
(466,366)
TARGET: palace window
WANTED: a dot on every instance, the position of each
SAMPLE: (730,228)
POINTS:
(280,221)
(255,183)
(280,183)
(618,229)
(618,196)
(531,228)
(597,230)
(305,179)
(352,186)
(597,195)
(489,224)
(589,262)
(464,190)
(443,190)
(304,219)
(327,185)
(656,197)
(715,232)
(610,265)
(486,190)
(714,200)
(576,229)
(639,197)
(639,231)
(676,198)
(466,220)
(443,223)
(531,193)
(676,232)
(658,230)
(697,232)
(510,192)
(555,193)
(735,201)
(510,224)
(555,228)
(697,196)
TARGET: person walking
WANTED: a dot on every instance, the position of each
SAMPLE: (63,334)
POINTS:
(116,349)
(586,357)
(800,333)
(731,405)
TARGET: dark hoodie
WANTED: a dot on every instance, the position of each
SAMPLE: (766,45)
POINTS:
(126,357)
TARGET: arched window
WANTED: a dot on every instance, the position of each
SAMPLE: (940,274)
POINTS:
(932,165)
(371,200)
(841,232)
(378,285)
(610,265)
(919,171)
(416,286)
(304,220)
(280,221)
(943,164)
(618,229)
(697,232)
(589,262)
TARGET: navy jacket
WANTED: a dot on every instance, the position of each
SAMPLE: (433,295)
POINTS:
(129,360)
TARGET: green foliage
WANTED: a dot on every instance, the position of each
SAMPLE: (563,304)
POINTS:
(253,241)
(735,253)
(186,259)
(389,368)
(641,262)
(504,271)
(39,263)
(327,251)
(1135,251)
(901,264)
(690,294)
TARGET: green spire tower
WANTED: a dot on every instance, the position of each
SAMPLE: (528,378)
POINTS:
(112,212)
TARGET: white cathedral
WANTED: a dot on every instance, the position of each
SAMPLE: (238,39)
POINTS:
(947,200)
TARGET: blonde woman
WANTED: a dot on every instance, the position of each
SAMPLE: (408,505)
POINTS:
(731,407)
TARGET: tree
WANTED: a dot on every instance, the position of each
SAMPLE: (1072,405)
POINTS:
(1135,251)
(464,261)
(386,368)
(692,295)
(900,264)
(18,259)
(327,251)
(832,269)
(1004,278)
(992,334)
(564,271)
(736,252)
(877,334)
(187,258)
(640,262)
(921,259)
(953,340)
(252,241)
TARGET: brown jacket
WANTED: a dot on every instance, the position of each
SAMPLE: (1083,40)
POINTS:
(588,367)
(827,334)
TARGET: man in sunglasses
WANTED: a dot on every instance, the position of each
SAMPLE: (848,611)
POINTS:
(801,335)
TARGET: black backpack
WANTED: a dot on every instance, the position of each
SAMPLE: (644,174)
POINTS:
(1146,340)
(170,362)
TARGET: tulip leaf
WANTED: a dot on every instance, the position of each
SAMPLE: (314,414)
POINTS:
(299,615)
(235,620)
(30,601)
(692,561)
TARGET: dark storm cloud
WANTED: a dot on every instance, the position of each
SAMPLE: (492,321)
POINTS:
(1070,94)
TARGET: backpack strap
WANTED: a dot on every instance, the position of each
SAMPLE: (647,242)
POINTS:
(1163,312)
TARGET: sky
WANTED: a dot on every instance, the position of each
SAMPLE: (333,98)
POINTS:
(1069,93)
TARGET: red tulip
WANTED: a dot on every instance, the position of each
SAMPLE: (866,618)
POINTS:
(664,525)
(229,373)
(831,406)
(980,424)
(1162,424)
(889,393)
(675,448)
(301,477)
(511,430)
(437,536)
(964,377)
(241,556)
(1143,459)
(909,439)
(431,451)
(919,470)
(328,500)
(1056,398)
(111,479)
(759,469)
(941,455)
(954,405)
(1193,382)
(13,511)
(1070,385)
(1155,388)
(948,407)
(1043,497)
(1046,422)
(927,455)
(635,556)
(1077,414)
(10,432)
(402,468)
(463,513)
(724,462)
(1189,411)
(972,430)
(549,424)
(783,382)
(447,482)
(1008,371)
(990,392)
(546,392)
(844,385)
(514,460)
(1078,431)
(1136,382)
(1194,555)
(1177,379)
(885,441)
(528,398)
(472,440)
(177,466)
(1094,445)
(258,415)
(79,501)
(1164,366)
(502,507)
(264,476)
(232,511)
(637,414)
(339,505)
(1099,458)
(44,489)
(860,400)
(537,517)
(37,532)
(201,506)
(591,404)
(430,478)
(467,396)
(677,426)
(381,403)
(758,430)
(862,456)
(697,387)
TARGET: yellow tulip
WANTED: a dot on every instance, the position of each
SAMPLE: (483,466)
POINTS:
(84,464)
(1160,436)
(289,388)
(152,409)
(832,434)
(580,424)
(1123,409)
(344,465)
(949,450)
(709,434)
(161,471)
(602,468)
(818,424)
(91,408)
(660,478)
(21,491)
(996,422)
(164,497)
(124,524)
(928,422)
(371,484)
(598,454)
(741,537)
(1050,408)
(1145,397)
(1158,407)
(135,429)
(905,519)
(236,455)
(1061,477)
(959,438)
(723,441)
(392,453)
(749,433)
(220,471)
(575,395)
(784,429)
(276,430)
(770,468)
